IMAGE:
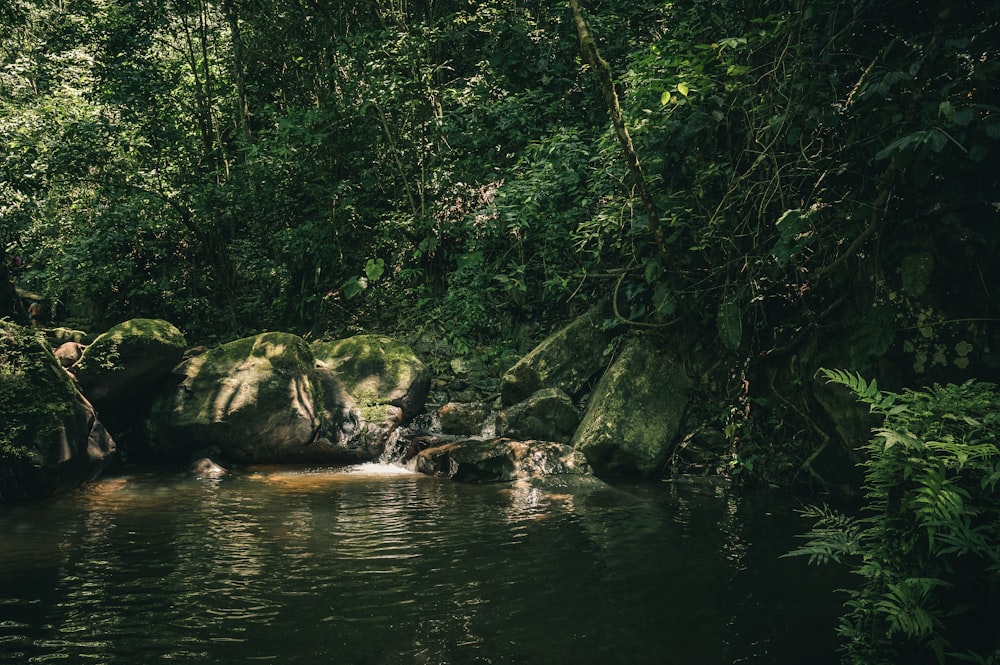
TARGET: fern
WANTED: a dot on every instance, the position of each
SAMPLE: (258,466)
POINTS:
(930,537)
(833,538)
(865,391)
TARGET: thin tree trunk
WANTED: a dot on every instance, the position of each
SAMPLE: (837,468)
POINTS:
(233,17)
(607,86)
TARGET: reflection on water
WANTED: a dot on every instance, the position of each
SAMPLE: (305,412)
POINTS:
(377,565)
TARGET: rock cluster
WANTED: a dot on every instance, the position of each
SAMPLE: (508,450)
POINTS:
(577,404)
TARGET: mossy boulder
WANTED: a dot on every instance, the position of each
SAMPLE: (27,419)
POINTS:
(465,418)
(50,438)
(548,414)
(498,460)
(634,414)
(128,358)
(377,370)
(379,384)
(257,399)
(568,359)
(57,336)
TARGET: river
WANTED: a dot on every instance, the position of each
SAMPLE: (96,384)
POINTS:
(376,565)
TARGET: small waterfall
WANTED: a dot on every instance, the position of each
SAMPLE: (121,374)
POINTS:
(424,431)
(400,447)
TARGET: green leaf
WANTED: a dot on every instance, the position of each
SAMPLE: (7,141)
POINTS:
(795,232)
(915,272)
(374,269)
(729,322)
(872,337)
(663,300)
(354,286)
(683,88)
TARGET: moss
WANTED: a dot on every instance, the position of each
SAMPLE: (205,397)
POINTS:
(275,354)
(566,360)
(634,415)
(105,351)
(280,350)
(35,394)
(360,359)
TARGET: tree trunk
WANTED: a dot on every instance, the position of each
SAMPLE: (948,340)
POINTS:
(607,86)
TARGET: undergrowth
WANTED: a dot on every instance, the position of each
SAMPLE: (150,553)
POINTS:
(927,544)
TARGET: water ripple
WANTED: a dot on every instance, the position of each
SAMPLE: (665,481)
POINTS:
(366,566)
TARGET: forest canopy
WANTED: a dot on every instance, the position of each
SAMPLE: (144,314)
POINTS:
(242,165)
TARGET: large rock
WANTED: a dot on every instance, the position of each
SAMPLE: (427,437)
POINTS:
(68,353)
(128,358)
(548,414)
(377,370)
(465,418)
(50,440)
(634,414)
(567,360)
(494,460)
(257,399)
(379,384)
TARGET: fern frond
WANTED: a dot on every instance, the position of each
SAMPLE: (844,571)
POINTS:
(864,391)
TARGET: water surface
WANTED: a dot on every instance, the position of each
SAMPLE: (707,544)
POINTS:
(377,565)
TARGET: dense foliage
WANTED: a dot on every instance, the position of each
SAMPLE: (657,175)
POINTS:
(809,181)
(816,176)
(35,396)
(928,546)
(237,165)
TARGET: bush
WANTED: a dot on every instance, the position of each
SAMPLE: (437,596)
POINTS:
(927,545)
(35,395)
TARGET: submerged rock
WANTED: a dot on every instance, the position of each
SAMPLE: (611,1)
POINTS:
(492,460)
(51,439)
(206,468)
(634,414)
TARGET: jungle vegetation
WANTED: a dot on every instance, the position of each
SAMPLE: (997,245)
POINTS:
(767,186)
(764,185)
(240,165)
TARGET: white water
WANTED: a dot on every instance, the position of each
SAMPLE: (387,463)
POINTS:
(379,469)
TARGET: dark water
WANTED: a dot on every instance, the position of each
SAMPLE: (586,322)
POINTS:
(331,567)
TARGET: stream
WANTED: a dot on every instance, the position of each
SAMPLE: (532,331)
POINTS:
(374,564)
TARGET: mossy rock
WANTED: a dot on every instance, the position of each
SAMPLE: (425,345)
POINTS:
(51,439)
(127,356)
(568,359)
(548,414)
(464,418)
(258,399)
(57,336)
(634,414)
(501,459)
(377,371)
